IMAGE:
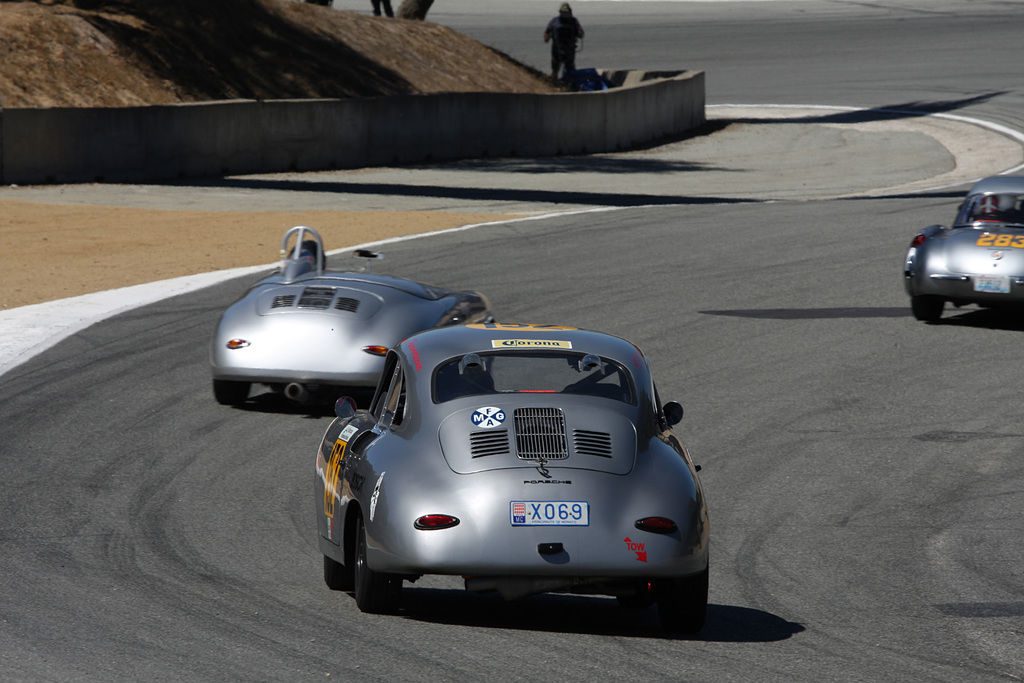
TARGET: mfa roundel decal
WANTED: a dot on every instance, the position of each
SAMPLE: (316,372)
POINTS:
(487,417)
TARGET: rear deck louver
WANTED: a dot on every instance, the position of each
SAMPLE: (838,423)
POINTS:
(346,304)
(488,443)
(317,298)
(592,443)
(283,301)
(540,433)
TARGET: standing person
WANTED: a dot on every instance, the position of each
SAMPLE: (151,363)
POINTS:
(387,7)
(563,31)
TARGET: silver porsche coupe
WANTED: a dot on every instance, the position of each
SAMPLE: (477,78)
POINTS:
(525,459)
(979,260)
(305,329)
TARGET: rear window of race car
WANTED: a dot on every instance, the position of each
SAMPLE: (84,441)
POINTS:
(533,372)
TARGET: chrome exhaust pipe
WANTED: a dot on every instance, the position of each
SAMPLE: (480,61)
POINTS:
(297,392)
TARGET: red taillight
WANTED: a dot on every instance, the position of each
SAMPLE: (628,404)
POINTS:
(918,240)
(435,522)
(376,350)
(237,344)
(656,525)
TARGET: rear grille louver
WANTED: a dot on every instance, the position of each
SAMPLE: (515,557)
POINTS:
(346,304)
(283,301)
(488,443)
(317,298)
(592,443)
(540,434)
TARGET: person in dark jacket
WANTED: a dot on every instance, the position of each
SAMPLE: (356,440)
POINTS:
(563,31)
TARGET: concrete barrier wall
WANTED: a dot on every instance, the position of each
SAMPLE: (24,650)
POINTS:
(131,144)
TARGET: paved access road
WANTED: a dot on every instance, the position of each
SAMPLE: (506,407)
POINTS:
(863,470)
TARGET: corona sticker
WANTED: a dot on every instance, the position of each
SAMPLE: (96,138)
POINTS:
(530,344)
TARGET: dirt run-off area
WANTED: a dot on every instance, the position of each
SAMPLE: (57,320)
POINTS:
(113,53)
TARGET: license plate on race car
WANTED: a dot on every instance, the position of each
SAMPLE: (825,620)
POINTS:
(994,284)
(549,513)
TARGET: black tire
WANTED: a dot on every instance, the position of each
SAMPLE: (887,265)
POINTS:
(683,603)
(337,576)
(229,393)
(376,593)
(927,308)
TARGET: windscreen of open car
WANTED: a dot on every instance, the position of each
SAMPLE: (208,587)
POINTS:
(533,373)
(982,210)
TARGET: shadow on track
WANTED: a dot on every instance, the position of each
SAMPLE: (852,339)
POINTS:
(815,313)
(619,199)
(889,112)
(586,615)
(1011,320)
(323,406)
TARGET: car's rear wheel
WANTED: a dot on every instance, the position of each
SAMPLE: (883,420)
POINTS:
(230,393)
(683,603)
(926,307)
(376,592)
(337,576)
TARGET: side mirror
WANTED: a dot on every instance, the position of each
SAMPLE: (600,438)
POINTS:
(345,407)
(673,412)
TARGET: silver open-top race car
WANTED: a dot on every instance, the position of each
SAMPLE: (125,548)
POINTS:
(305,328)
(526,459)
(980,260)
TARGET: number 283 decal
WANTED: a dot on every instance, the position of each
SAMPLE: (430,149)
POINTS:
(990,239)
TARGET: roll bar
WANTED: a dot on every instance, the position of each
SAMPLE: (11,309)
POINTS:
(291,265)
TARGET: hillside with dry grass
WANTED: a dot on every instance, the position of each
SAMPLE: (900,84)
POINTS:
(88,53)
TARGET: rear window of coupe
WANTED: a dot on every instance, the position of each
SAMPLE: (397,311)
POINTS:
(531,372)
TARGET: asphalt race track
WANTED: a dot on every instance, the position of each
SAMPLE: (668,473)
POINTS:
(861,467)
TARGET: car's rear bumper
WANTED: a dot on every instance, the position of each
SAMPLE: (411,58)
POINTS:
(300,375)
(960,288)
(551,553)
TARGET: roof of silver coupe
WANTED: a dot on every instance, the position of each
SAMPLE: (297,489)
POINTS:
(427,349)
